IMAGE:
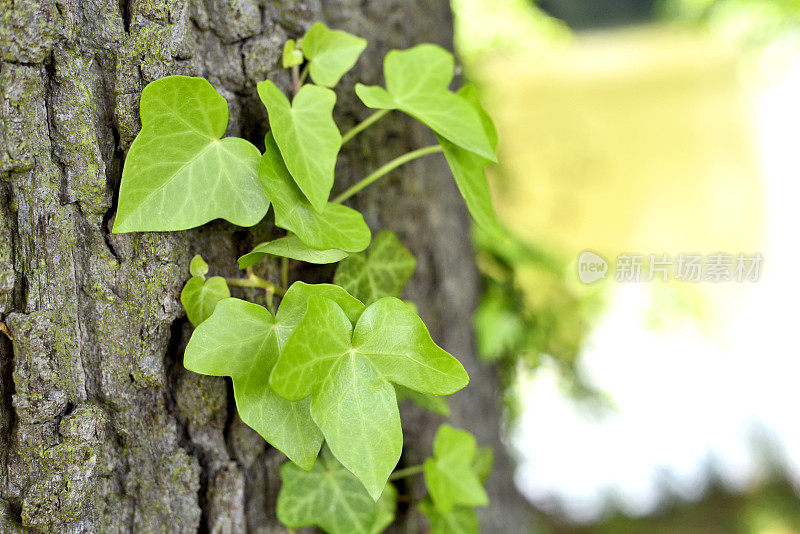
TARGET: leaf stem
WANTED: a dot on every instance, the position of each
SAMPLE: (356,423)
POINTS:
(361,126)
(255,282)
(406,472)
(296,83)
(285,273)
(304,74)
(386,169)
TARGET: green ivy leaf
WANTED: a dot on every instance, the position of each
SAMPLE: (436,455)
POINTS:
(460,520)
(330,497)
(330,53)
(433,403)
(387,506)
(482,465)
(243,340)
(336,227)
(383,272)
(306,136)
(198,266)
(470,93)
(178,173)
(295,302)
(411,306)
(468,168)
(290,247)
(468,171)
(499,328)
(450,473)
(417,82)
(200,296)
(240,340)
(291,55)
(347,372)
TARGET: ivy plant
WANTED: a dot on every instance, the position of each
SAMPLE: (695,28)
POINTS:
(455,475)
(178,173)
(200,296)
(319,375)
(334,227)
(450,474)
(332,498)
(383,272)
(347,372)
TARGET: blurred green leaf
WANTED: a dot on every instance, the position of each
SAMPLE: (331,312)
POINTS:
(450,474)
(383,271)
(460,520)
(499,328)
(483,463)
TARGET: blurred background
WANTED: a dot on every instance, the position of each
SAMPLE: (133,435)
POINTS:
(644,127)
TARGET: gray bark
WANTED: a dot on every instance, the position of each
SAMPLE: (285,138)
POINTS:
(101,428)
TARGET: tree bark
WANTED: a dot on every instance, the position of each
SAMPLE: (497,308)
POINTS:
(101,428)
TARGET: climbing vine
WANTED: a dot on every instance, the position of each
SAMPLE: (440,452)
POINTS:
(320,375)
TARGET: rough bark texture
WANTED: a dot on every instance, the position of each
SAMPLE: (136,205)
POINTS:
(101,428)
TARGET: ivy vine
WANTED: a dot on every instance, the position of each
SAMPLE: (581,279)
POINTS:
(320,376)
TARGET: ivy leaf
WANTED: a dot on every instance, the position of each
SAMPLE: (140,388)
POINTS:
(450,474)
(468,171)
(417,82)
(200,296)
(468,168)
(482,465)
(178,173)
(383,272)
(240,340)
(330,497)
(336,227)
(470,93)
(347,372)
(433,403)
(290,247)
(387,506)
(198,266)
(291,55)
(330,53)
(460,520)
(295,302)
(306,136)
(498,326)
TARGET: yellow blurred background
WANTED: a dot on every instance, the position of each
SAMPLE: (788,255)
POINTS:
(627,140)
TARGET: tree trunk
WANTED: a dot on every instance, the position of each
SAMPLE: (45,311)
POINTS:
(101,428)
